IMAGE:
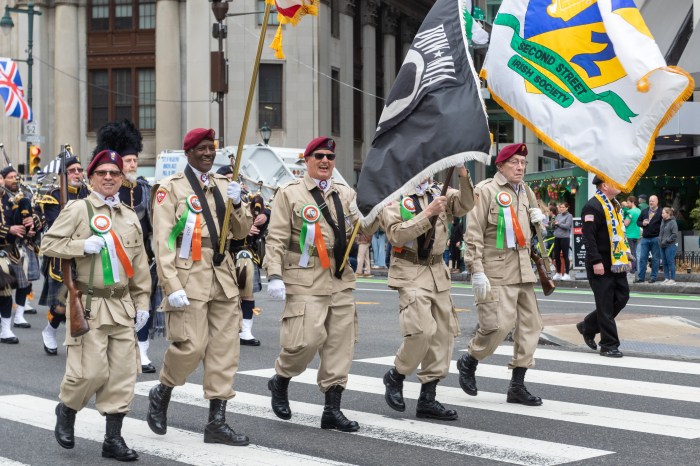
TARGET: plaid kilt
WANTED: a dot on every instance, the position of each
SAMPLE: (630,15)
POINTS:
(18,270)
(53,291)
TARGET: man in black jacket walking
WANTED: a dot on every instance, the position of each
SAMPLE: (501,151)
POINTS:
(606,270)
(650,221)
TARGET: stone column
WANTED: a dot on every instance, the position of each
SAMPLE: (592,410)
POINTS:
(169,132)
(346,142)
(66,93)
(409,28)
(198,45)
(370,10)
(390,27)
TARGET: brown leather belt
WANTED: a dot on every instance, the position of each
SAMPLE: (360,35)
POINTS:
(294,247)
(111,292)
(411,256)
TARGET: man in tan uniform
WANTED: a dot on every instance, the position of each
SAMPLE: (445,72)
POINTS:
(418,271)
(203,312)
(502,276)
(310,223)
(103,362)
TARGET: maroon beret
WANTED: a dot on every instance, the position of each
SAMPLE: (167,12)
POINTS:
(510,150)
(321,142)
(197,135)
(106,156)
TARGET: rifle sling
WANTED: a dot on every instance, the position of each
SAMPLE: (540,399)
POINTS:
(90,291)
(341,241)
(220,208)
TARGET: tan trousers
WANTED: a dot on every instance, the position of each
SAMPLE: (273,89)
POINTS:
(104,364)
(508,306)
(326,325)
(429,326)
(363,265)
(204,331)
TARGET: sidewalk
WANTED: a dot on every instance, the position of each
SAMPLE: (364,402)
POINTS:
(685,283)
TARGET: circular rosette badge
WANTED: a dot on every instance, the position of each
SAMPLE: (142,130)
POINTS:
(100,224)
(407,203)
(194,204)
(504,199)
(310,213)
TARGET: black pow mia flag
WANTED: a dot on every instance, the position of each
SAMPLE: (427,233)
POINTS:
(434,117)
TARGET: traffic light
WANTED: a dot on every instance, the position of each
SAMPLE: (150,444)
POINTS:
(34,159)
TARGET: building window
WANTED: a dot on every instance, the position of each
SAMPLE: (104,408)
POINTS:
(272,19)
(335,18)
(112,96)
(122,15)
(270,95)
(335,102)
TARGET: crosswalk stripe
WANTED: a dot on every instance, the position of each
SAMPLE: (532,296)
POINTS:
(8,462)
(585,382)
(498,447)
(613,418)
(628,362)
(178,445)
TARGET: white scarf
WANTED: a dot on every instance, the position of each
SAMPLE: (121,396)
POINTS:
(111,201)
(201,176)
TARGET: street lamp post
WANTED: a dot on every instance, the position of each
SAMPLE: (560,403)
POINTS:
(7,24)
(219,64)
(265,133)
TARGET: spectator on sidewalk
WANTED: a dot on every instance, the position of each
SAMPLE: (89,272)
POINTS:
(363,243)
(633,231)
(643,202)
(456,240)
(650,220)
(668,237)
(562,240)
(379,248)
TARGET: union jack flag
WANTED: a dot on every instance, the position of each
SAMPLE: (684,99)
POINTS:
(12,92)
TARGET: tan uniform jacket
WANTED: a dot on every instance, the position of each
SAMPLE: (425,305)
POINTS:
(66,240)
(404,234)
(195,277)
(285,229)
(502,266)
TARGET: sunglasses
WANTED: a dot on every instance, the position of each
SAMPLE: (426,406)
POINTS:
(73,171)
(317,156)
(103,173)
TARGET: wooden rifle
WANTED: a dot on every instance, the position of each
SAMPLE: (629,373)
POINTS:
(433,221)
(542,260)
(78,322)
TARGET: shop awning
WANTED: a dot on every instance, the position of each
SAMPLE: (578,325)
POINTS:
(664,19)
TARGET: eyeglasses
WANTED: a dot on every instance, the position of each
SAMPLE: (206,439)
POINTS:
(103,173)
(317,156)
(73,171)
(516,162)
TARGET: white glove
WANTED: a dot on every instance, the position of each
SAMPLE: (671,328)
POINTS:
(178,299)
(276,289)
(233,192)
(481,286)
(536,215)
(141,320)
(93,244)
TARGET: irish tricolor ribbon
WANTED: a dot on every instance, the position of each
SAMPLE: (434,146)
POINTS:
(311,236)
(114,253)
(190,225)
(508,229)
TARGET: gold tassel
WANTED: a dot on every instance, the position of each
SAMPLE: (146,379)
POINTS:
(276,44)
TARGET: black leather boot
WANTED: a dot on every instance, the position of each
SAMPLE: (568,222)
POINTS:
(429,407)
(517,393)
(65,422)
(217,431)
(157,417)
(114,445)
(278,385)
(466,365)
(333,417)
(393,395)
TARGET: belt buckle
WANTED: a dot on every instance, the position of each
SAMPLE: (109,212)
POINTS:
(111,292)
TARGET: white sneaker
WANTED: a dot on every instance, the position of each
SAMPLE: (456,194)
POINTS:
(566,277)
(665,280)
(670,282)
(557,276)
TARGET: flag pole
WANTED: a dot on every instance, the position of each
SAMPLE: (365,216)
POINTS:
(244,128)
(431,233)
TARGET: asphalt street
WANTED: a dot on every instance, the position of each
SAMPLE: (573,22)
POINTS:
(642,409)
